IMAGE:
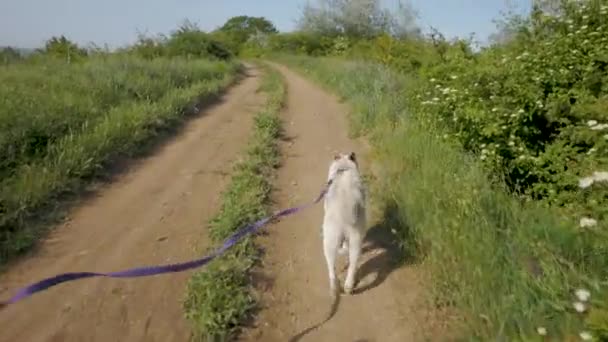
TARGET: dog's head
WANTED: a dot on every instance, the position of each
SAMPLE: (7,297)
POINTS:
(345,161)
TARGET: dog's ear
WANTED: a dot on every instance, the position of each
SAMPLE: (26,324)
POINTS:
(352,157)
(337,156)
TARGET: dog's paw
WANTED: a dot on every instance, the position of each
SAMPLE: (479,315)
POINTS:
(348,290)
(348,287)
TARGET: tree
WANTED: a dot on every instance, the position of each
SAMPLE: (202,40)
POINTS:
(515,25)
(357,19)
(241,28)
(404,23)
(64,48)
(188,40)
(9,55)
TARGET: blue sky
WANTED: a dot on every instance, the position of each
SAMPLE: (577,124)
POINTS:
(28,23)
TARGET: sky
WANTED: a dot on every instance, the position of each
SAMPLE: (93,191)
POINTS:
(28,23)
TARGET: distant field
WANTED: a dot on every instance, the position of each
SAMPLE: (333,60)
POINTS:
(61,123)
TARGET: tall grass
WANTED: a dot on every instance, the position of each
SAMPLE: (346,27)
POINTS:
(508,268)
(62,123)
(219,297)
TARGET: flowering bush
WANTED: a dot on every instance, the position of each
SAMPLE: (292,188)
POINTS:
(536,108)
(535,111)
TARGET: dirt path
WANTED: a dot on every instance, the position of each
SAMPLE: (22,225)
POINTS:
(153,214)
(296,302)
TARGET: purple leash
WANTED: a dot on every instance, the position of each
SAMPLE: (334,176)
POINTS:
(154,270)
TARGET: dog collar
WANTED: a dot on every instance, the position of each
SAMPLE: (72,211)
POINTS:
(338,171)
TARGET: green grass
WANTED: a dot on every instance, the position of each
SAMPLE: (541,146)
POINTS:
(61,124)
(505,267)
(219,297)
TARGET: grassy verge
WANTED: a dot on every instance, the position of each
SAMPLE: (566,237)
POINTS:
(219,297)
(507,267)
(59,130)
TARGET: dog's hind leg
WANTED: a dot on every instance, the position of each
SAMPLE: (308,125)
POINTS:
(331,242)
(354,250)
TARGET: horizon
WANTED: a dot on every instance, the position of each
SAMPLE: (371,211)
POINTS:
(28,24)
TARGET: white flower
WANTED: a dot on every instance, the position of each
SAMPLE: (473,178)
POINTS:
(453,77)
(591,123)
(585,336)
(521,111)
(483,157)
(592,150)
(435,99)
(511,143)
(600,176)
(495,109)
(433,80)
(584,27)
(484,151)
(599,127)
(522,157)
(582,295)
(606,136)
(586,222)
(542,331)
(585,182)
(483,145)
(579,307)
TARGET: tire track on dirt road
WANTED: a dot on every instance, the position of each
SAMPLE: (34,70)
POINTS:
(153,214)
(296,305)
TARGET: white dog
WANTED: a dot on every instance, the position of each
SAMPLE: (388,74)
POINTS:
(344,220)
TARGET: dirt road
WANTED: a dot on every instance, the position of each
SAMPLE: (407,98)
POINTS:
(387,304)
(155,213)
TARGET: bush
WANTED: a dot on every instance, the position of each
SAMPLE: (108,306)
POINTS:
(61,47)
(535,110)
(9,55)
(187,41)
